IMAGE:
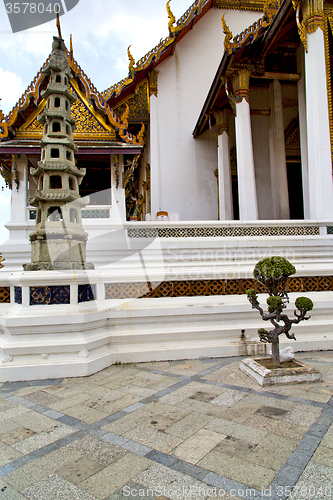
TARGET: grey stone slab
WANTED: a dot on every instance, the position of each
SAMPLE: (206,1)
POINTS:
(149,399)
(162,458)
(308,444)
(109,437)
(287,476)
(73,422)
(15,399)
(189,469)
(318,430)
(53,414)
(226,484)
(134,407)
(6,469)
(39,408)
(326,417)
(107,420)
(14,386)
(137,448)
(99,433)
(55,487)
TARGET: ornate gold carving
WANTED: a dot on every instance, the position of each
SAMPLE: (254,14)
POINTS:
(172,19)
(85,122)
(300,24)
(253,31)
(329,21)
(228,35)
(240,4)
(140,135)
(241,85)
(6,173)
(3,125)
(131,63)
(312,18)
(222,120)
(1,260)
(138,104)
(153,81)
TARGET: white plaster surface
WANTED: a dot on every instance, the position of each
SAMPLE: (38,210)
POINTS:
(182,169)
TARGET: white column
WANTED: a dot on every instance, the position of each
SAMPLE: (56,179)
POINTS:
(226,211)
(279,180)
(18,224)
(117,193)
(247,194)
(319,145)
(155,163)
(19,192)
(303,133)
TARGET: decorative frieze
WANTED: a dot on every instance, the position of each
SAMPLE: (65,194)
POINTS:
(225,232)
(209,287)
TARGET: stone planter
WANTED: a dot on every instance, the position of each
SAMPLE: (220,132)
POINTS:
(297,373)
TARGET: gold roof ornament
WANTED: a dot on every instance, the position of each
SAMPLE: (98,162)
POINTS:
(71,46)
(172,19)
(228,35)
(131,62)
(3,124)
(58,25)
(1,260)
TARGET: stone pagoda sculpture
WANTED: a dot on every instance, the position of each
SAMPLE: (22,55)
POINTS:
(58,241)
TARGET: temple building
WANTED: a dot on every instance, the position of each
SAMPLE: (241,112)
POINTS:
(246,137)
(225,129)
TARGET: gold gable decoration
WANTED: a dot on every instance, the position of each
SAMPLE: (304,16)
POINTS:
(35,127)
(85,122)
(138,105)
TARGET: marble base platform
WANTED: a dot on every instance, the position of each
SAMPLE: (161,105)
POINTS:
(265,376)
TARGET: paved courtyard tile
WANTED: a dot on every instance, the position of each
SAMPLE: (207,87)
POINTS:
(198,425)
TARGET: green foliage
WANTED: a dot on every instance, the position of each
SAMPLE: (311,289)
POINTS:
(250,292)
(304,304)
(273,268)
(274,303)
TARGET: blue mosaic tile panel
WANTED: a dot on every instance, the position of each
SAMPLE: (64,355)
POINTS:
(18,295)
(49,295)
(86,293)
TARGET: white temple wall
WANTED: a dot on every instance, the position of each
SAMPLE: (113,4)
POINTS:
(182,169)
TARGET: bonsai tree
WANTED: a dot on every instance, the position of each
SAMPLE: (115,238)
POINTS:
(273,273)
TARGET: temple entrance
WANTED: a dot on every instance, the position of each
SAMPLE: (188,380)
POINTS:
(295,189)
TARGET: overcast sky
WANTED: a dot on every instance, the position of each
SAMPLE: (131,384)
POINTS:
(101,29)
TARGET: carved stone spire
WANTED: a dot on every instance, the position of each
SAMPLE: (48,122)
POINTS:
(58,241)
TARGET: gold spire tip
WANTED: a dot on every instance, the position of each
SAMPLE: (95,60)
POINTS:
(58,25)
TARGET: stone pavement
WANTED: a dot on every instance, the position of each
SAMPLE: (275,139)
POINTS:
(195,429)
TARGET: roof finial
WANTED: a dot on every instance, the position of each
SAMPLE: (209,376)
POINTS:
(71,46)
(228,35)
(131,62)
(172,19)
(58,25)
